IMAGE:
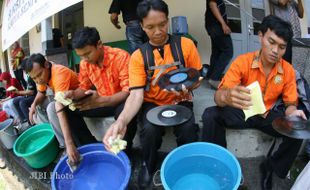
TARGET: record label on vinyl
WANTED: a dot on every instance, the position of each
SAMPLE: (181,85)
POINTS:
(170,115)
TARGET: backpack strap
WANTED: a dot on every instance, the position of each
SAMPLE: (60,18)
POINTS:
(176,49)
(148,59)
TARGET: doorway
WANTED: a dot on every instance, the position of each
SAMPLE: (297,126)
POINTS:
(244,17)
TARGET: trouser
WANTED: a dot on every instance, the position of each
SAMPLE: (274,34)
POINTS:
(135,35)
(22,104)
(216,119)
(151,135)
(222,52)
(20,77)
(76,119)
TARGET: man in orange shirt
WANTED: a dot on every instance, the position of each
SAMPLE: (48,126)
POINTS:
(106,69)
(59,79)
(276,78)
(153,16)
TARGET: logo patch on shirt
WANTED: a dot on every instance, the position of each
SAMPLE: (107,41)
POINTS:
(278,79)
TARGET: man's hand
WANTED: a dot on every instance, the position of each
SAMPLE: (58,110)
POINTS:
(185,90)
(114,20)
(117,128)
(94,101)
(298,113)
(238,97)
(69,94)
(32,111)
(283,3)
(226,29)
(72,153)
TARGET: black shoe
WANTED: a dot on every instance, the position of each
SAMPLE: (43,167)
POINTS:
(266,175)
(144,178)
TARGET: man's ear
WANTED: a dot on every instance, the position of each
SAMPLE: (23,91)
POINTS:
(47,65)
(99,43)
(260,35)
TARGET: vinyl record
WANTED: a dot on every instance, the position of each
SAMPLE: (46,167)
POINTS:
(170,115)
(294,127)
(175,79)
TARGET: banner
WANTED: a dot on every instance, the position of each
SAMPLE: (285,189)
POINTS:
(20,16)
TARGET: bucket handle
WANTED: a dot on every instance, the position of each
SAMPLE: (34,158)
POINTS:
(159,184)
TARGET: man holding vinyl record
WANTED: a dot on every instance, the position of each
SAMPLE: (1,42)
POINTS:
(275,79)
(146,94)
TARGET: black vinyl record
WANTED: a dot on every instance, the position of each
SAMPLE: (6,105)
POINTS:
(170,115)
(294,127)
(175,79)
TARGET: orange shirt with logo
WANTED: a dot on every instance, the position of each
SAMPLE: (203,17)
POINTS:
(111,78)
(138,76)
(62,79)
(247,68)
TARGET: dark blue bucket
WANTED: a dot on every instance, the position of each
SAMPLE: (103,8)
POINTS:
(200,166)
(99,169)
(179,25)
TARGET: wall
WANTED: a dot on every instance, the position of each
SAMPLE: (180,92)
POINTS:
(35,44)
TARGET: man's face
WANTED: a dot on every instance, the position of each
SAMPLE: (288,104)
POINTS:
(273,47)
(39,74)
(155,25)
(89,53)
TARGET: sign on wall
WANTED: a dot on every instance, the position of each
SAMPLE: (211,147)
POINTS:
(20,16)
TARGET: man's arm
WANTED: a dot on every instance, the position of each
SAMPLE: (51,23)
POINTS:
(216,12)
(300,9)
(131,108)
(65,128)
(25,92)
(40,97)
(114,12)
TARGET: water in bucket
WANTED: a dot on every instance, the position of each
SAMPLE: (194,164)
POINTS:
(194,173)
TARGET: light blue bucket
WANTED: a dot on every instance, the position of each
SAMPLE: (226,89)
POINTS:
(198,166)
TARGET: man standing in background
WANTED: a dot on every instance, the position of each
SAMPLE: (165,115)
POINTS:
(134,33)
(290,11)
(219,32)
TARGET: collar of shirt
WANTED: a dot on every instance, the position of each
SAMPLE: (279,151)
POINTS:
(257,64)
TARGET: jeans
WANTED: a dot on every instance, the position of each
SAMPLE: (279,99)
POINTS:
(135,35)
(22,104)
(216,119)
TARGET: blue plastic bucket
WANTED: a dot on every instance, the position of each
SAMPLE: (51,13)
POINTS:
(99,169)
(200,166)
(179,25)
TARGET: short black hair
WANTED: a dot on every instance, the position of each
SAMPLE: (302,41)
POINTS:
(280,27)
(85,36)
(36,57)
(145,6)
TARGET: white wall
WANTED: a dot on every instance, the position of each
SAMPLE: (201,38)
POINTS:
(35,44)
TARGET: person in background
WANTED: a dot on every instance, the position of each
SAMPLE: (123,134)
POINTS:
(26,97)
(58,38)
(7,103)
(17,56)
(222,47)
(146,95)
(134,33)
(276,78)
(290,11)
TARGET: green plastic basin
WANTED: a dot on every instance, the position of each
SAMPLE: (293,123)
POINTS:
(37,146)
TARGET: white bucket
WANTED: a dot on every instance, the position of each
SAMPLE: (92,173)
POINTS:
(8,134)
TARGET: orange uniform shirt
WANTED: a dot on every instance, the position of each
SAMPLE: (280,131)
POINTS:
(111,78)
(138,76)
(62,79)
(248,68)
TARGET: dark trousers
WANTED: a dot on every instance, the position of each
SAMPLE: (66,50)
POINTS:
(151,135)
(222,52)
(216,119)
(135,35)
(20,77)
(22,104)
(107,112)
